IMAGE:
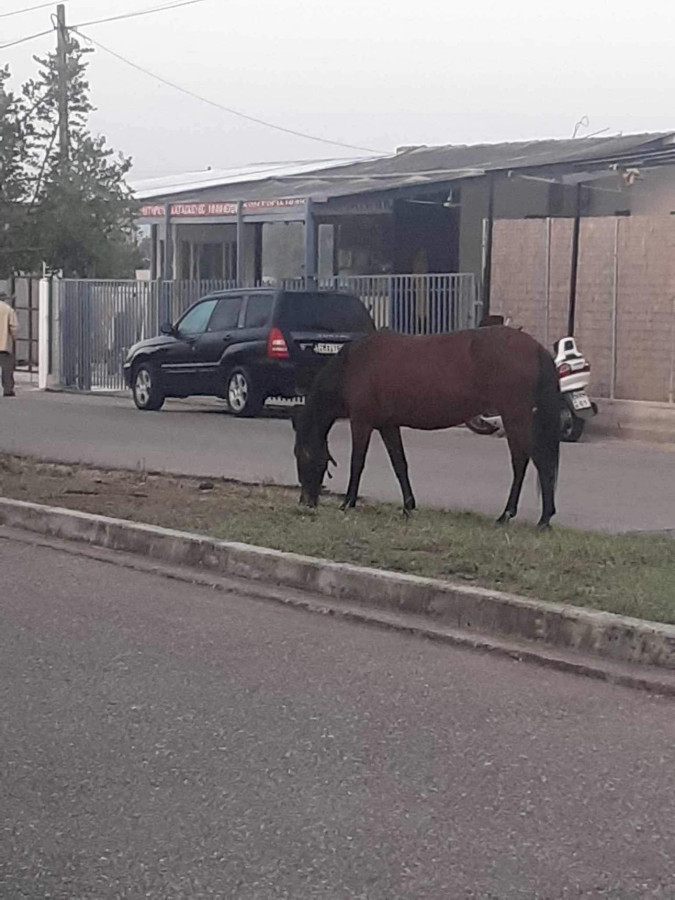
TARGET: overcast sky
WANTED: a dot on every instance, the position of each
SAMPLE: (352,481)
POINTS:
(374,73)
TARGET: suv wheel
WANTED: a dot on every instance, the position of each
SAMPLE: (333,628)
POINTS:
(147,393)
(242,398)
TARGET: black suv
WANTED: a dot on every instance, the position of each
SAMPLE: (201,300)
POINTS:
(245,346)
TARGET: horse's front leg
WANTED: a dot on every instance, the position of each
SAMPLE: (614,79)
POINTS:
(360,440)
(391,435)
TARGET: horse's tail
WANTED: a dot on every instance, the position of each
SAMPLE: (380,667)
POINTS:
(548,405)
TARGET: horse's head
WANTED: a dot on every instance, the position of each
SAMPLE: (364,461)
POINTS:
(312,457)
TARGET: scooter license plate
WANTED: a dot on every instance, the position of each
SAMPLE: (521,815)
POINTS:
(580,400)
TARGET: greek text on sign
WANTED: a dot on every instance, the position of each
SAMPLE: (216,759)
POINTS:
(198,210)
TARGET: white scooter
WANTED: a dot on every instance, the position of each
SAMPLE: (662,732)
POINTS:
(574,373)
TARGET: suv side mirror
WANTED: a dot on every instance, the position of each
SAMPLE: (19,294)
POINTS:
(167,328)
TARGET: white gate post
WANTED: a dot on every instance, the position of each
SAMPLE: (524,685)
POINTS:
(48,334)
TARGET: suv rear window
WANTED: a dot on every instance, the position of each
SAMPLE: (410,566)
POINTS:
(258,310)
(313,311)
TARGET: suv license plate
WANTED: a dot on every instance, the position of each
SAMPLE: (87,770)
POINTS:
(327,349)
(580,401)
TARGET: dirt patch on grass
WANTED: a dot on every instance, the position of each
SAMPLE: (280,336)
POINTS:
(632,575)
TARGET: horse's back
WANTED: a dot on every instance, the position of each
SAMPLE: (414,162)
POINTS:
(458,350)
(435,381)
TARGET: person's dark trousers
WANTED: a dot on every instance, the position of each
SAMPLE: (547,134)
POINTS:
(7,369)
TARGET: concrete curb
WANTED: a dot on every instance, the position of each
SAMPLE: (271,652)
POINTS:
(464,608)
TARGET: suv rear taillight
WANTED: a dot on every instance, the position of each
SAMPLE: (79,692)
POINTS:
(564,370)
(276,345)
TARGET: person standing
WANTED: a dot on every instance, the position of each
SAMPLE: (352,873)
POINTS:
(9,328)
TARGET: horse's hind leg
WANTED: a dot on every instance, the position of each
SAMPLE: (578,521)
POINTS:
(360,440)
(547,471)
(391,435)
(518,436)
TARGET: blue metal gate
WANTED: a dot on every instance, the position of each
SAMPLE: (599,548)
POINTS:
(98,321)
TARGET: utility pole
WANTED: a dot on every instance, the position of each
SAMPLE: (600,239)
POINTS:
(62,66)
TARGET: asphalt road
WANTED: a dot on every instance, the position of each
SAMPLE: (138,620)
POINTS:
(164,740)
(604,484)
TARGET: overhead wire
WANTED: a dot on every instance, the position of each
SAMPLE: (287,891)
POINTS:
(28,37)
(166,7)
(43,167)
(220,106)
(130,15)
(31,109)
(27,9)
(140,12)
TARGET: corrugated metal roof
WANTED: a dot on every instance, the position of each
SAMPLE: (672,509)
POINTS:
(497,157)
(167,185)
(418,166)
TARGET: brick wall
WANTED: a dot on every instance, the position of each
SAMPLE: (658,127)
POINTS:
(518,287)
(595,298)
(626,270)
(645,307)
(559,279)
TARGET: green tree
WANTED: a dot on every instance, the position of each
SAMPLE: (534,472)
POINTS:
(81,212)
(14,180)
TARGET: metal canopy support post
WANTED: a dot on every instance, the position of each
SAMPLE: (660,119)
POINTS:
(154,255)
(336,249)
(487,245)
(165,301)
(191,262)
(615,301)
(574,267)
(258,253)
(240,242)
(311,246)
(168,246)
(547,282)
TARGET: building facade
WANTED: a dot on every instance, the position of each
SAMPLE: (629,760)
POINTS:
(422,210)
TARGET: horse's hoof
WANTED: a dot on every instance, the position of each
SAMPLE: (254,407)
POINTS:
(406,513)
(504,519)
(543,526)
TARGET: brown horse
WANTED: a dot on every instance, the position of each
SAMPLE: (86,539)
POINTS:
(387,381)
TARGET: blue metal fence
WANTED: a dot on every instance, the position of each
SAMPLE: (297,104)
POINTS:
(97,321)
